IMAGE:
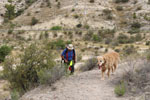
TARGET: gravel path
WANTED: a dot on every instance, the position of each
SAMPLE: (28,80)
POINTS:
(84,86)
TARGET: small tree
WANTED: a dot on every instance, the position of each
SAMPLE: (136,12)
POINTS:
(34,21)
(10,11)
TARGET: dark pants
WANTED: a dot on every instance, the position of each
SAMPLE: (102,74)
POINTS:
(72,67)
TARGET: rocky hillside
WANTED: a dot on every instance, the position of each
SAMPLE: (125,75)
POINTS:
(97,14)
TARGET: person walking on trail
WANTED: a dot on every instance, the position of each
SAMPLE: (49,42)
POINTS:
(69,57)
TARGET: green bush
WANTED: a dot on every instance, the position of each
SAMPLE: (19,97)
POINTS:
(4,51)
(135,25)
(109,17)
(24,76)
(10,31)
(134,15)
(120,89)
(122,38)
(138,37)
(146,17)
(34,21)
(58,44)
(14,95)
(79,25)
(55,28)
(139,8)
(121,1)
(106,33)
(68,42)
(76,16)
(119,8)
(19,12)
(10,1)
(134,30)
(147,43)
(86,26)
(107,11)
(96,38)
(30,2)
(1,75)
(148,55)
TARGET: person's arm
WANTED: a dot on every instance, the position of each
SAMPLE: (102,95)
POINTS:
(63,55)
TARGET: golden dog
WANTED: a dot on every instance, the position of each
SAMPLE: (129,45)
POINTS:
(108,61)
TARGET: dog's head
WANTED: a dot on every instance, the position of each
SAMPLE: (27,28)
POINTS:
(101,61)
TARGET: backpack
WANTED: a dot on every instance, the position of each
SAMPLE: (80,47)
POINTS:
(66,53)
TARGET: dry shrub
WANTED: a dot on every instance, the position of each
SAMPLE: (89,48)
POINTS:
(90,64)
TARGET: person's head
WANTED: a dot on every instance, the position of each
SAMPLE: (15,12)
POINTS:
(70,47)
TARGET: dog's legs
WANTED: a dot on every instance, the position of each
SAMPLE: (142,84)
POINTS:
(103,71)
(108,72)
(115,66)
(112,70)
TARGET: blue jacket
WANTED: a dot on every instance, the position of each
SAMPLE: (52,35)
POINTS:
(69,55)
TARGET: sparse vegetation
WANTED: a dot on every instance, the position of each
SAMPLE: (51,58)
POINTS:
(58,5)
(120,89)
(105,33)
(14,95)
(136,25)
(135,28)
(148,53)
(91,63)
(128,50)
(10,31)
(121,1)
(122,38)
(58,44)
(147,43)
(96,38)
(76,16)
(24,76)
(134,15)
(55,28)
(119,8)
(30,2)
(88,35)
(147,17)
(34,21)
(107,11)
(135,79)
(92,1)
(79,25)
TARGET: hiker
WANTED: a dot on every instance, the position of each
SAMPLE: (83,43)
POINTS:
(68,56)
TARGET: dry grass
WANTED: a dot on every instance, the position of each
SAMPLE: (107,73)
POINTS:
(136,76)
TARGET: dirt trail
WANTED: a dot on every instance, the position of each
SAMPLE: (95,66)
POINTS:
(83,86)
